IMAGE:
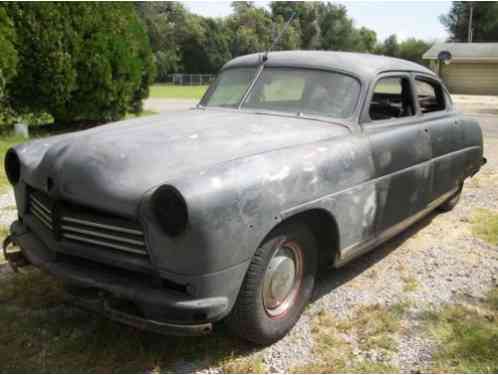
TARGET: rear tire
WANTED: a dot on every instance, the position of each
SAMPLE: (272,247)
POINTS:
(277,286)
(452,201)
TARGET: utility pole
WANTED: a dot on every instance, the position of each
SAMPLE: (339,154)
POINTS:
(471,4)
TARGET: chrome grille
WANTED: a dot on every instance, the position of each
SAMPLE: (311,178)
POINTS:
(80,224)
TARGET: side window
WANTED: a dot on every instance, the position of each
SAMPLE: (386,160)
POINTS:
(392,98)
(430,95)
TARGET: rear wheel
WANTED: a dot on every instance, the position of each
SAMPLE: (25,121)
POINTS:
(277,286)
(452,201)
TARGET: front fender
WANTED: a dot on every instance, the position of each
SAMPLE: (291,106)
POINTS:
(234,205)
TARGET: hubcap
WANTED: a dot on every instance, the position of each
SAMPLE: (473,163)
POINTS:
(282,279)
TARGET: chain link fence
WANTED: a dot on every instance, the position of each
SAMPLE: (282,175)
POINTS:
(189,79)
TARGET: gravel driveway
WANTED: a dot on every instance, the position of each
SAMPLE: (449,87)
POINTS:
(439,257)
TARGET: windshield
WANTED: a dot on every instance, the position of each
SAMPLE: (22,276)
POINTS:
(299,91)
(229,87)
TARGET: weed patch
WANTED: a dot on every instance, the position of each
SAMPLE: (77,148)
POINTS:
(485,225)
(467,337)
(410,284)
(371,329)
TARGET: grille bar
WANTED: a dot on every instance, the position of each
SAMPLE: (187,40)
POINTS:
(36,202)
(103,226)
(40,211)
(70,228)
(104,243)
(42,219)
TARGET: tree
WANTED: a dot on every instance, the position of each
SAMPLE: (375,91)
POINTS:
(390,47)
(306,20)
(166,27)
(250,28)
(206,45)
(365,40)
(337,31)
(412,49)
(484,21)
(8,59)
(80,61)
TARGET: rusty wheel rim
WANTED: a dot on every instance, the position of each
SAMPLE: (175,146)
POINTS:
(283,278)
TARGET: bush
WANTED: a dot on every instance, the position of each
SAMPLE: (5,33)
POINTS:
(8,60)
(80,62)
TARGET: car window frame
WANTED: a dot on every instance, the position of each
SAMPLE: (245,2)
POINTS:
(365,119)
(448,103)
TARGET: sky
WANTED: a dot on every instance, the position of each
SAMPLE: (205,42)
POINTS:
(419,19)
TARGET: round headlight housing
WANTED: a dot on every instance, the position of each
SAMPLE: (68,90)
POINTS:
(170,209)
(12,167)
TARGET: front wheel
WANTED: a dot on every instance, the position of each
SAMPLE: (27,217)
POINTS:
(277,285)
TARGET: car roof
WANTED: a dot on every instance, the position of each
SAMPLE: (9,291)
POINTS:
(362,65)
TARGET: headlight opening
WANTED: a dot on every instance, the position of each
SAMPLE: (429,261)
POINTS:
(170,209)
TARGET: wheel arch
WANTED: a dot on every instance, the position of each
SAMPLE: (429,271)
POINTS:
(323,226)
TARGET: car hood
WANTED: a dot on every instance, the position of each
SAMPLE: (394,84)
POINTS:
(115,164)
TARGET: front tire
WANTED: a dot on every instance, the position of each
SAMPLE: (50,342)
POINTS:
(277,286)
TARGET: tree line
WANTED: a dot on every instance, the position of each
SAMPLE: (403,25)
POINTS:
(185,42)
(86,62)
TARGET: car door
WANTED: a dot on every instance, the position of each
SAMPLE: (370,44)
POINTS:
(445,129)
(401,150)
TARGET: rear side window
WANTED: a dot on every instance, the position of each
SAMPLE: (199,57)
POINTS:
(392,98)
(430,95)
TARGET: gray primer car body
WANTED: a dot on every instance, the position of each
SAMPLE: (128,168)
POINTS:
(241,173)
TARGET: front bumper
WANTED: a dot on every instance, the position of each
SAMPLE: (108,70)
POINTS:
(130,300)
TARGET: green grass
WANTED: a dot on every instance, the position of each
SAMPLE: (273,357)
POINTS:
(176,92)
(234,365)
(6,141)
(485,225)
(4,231)
(467,337)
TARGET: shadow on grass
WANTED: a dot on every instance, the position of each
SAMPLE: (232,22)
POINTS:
(41,334)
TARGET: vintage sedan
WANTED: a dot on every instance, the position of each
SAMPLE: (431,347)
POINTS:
(293,162)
